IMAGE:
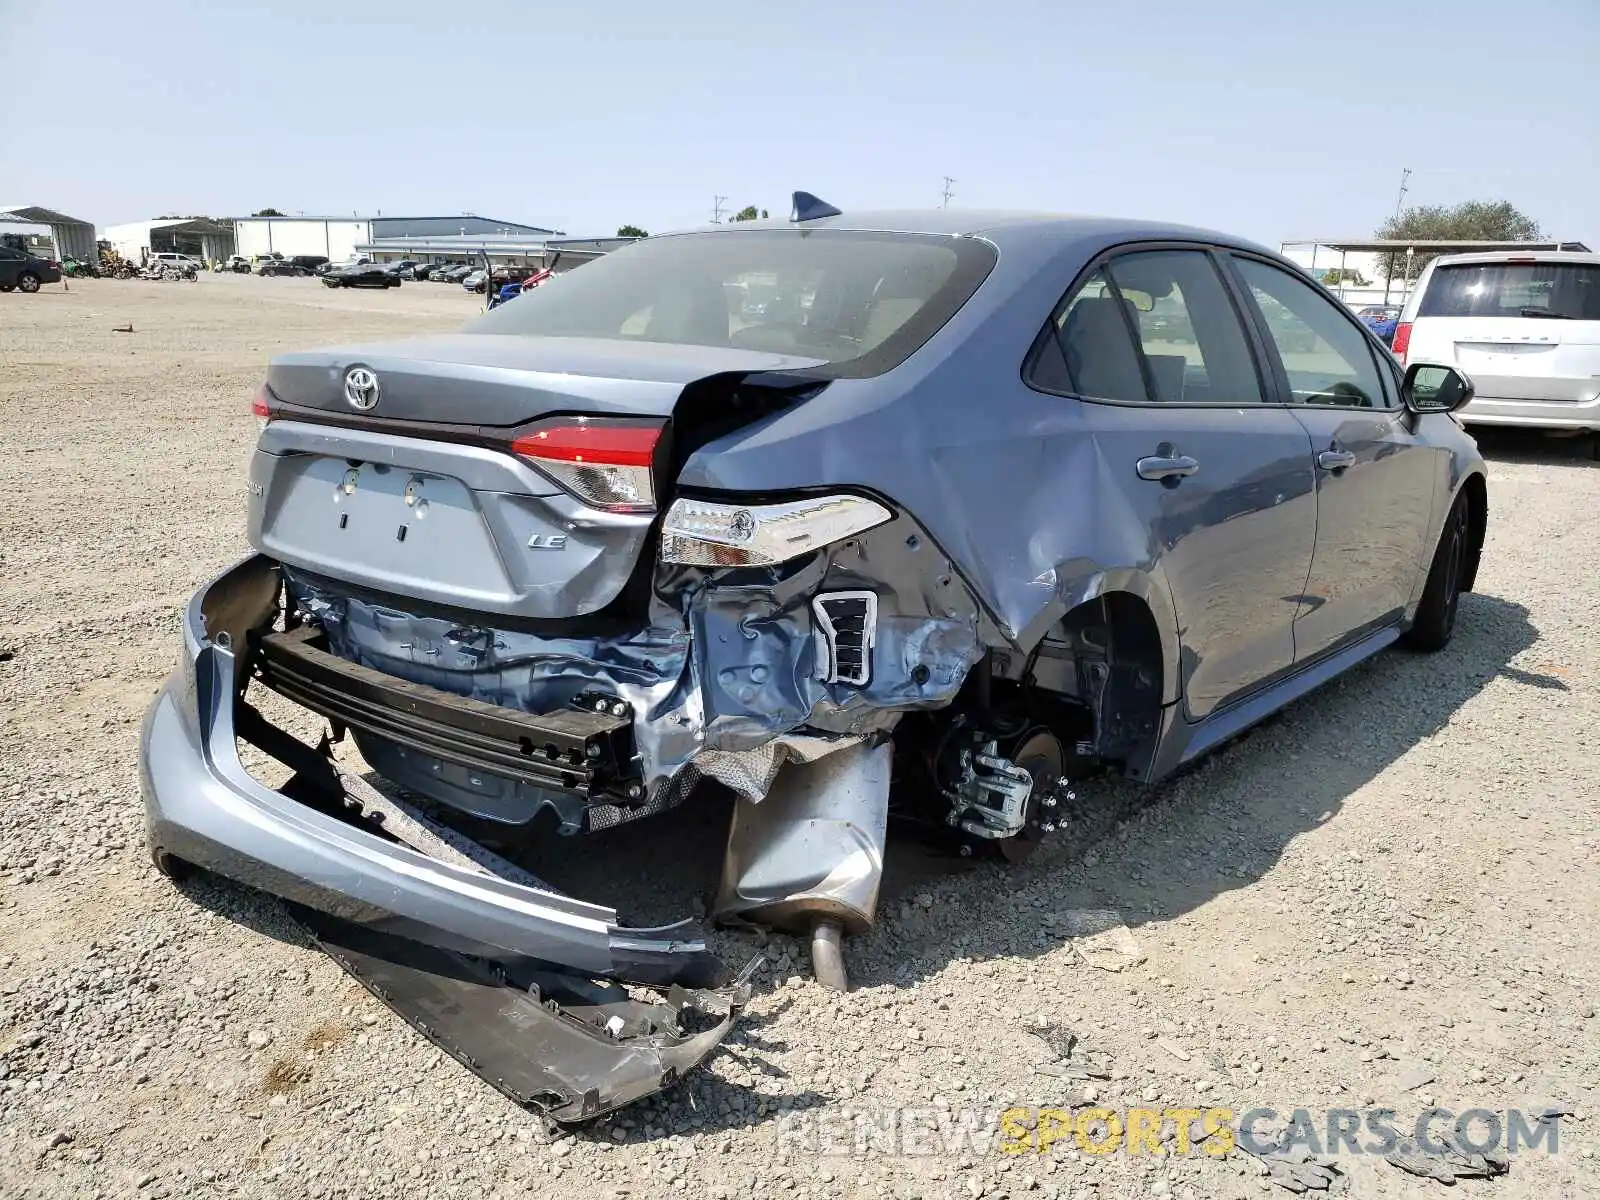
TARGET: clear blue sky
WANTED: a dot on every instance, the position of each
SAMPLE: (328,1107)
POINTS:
(1272,120)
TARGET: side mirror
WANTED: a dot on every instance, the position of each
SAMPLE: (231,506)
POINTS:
(1431,388)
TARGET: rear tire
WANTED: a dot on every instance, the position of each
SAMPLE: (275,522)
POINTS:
(1441,597)
(175,869)
(28,282)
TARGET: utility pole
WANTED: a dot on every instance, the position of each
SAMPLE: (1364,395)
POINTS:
(947,192)
(1405,174)
(716,209)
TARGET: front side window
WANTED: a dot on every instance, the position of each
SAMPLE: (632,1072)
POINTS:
(859,302)
(1157,326)
(1558,290)
(1325,356)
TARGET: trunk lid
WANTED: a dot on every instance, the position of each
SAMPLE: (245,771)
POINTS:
(415,492)
(505,380)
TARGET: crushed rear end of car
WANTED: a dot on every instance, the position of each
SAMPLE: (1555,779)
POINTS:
(492,564)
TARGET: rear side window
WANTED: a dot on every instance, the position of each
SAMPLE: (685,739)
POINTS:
(861,302)
(1557,290)
(1154,326)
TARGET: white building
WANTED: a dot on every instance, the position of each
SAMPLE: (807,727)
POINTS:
(198,236)
(340,238)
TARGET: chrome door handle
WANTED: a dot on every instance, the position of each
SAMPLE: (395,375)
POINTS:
(1335,460)
(1162,466)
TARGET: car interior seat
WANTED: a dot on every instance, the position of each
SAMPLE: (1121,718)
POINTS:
(691,309)
(1101,358)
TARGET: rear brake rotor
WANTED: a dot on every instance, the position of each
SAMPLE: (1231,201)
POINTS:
(1039,753)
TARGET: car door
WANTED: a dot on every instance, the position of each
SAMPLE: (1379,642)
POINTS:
(1173,395)
(1374,475)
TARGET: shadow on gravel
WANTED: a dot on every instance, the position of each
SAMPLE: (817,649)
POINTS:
(1227,821)
(1242,805)
(1537,447)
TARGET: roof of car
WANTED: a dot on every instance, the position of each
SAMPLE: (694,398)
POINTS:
(998,225)
(1498,256)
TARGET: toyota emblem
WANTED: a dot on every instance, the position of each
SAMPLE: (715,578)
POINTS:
(361,388)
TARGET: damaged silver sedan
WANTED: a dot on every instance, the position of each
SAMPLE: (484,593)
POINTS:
(917,514)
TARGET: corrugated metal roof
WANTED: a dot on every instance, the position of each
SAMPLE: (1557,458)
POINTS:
(29,214)
(1375,245)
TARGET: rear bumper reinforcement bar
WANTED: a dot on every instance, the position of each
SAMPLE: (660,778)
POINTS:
(571,750)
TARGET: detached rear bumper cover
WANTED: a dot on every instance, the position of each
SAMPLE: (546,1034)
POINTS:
(204,808)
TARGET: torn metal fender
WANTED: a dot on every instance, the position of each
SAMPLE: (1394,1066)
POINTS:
(568,1046)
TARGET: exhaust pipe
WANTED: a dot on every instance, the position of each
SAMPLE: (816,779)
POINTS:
(808,857)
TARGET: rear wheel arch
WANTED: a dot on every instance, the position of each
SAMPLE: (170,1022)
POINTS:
(1112,655)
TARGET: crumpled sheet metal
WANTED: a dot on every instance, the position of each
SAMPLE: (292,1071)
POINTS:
(724,674)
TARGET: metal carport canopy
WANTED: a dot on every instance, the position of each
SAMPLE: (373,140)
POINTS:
(74,238)
(1378,245)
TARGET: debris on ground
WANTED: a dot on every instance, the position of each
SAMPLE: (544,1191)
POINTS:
(1061,1042)
(1099,937)
(1177,1052)
(1414,1077)
(1297,1169)
(1448,1161)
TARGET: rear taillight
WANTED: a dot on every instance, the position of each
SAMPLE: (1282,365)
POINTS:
(608,464)
(1402,341)
(261,406)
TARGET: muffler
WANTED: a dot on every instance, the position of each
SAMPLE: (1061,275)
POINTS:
(808,857)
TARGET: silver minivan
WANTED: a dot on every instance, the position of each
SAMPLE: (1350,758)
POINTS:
(1524,325)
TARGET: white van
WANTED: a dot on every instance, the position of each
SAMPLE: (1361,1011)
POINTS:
(1525,325)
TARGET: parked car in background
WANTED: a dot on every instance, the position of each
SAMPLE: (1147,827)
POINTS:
(1525,325)
(311,262)
(455,272)
(24,272)
(509,291)
(401,269)
(182,262)
(283,268)
(367,274)
(1382,320)
(236,263)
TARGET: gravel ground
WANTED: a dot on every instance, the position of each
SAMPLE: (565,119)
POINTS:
(1396,880)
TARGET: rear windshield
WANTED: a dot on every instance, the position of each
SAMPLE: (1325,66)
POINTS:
(862,302)
(1534,289)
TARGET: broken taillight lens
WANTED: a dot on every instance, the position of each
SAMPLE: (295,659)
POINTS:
(261,406)
(607,464)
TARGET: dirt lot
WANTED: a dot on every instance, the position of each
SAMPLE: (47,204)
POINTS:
(1396,881)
